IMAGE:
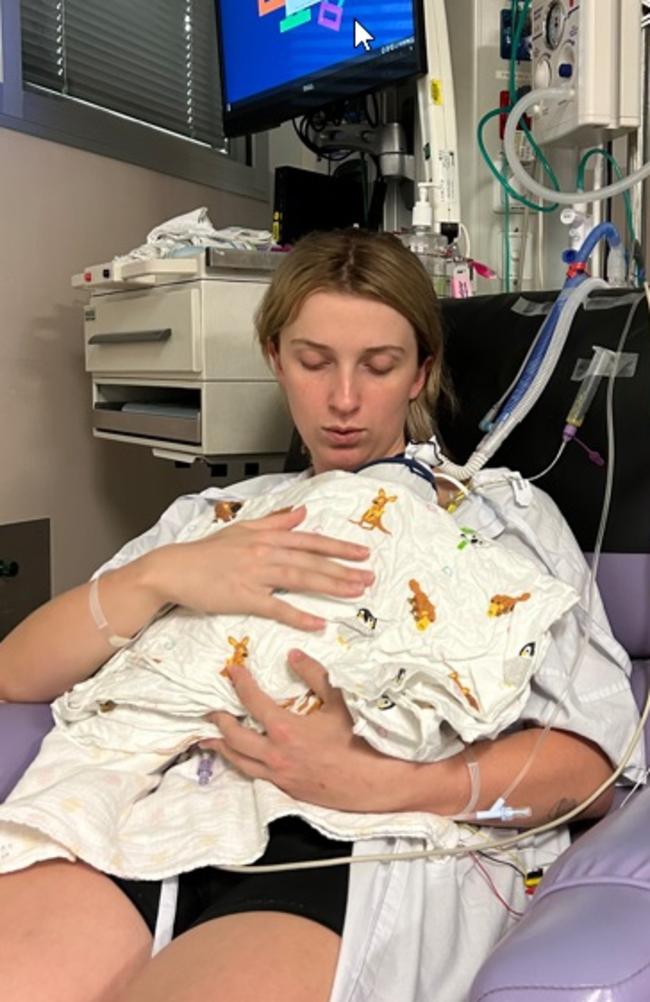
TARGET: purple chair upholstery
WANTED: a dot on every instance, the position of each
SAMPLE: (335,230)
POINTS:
(585,937)
(22,728)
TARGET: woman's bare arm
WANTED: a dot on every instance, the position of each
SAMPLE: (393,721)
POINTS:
(565,770)
(233,571)
(59,644)
(318,759)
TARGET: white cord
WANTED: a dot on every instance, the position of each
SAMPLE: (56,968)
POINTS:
(439,475)
(550,466)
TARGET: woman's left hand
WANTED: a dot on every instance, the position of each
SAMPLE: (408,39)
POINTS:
(314,758)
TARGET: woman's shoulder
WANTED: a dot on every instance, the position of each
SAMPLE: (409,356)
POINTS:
(179,517)
(520,513)
(513,492)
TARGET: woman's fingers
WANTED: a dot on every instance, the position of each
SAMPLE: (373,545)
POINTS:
(305,560)
(277,532)
(313,674)
(239,738)
(247,766)
(282,612)
(314,542)
(258,703)
(304,572)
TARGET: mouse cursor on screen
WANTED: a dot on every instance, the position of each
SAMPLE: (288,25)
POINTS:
(362,36)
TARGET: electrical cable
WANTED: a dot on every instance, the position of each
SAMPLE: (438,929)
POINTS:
(488,879)
(504,862)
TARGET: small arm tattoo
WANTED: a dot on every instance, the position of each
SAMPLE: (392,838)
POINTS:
(562,807)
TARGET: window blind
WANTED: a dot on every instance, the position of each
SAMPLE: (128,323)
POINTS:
(155,61)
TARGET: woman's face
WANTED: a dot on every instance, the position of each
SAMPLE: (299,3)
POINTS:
(349,369)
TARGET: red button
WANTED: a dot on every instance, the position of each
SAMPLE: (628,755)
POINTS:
(88,276)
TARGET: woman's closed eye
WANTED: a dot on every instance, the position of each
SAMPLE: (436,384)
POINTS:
(374,369)
(378,370)
(313,366)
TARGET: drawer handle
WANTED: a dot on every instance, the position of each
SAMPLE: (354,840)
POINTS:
(131,337)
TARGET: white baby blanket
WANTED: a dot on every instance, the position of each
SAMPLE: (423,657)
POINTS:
(439,652)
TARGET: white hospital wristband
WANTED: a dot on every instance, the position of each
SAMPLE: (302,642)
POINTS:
(101,622)
(468,811)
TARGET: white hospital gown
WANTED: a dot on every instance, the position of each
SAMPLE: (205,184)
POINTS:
(420,929)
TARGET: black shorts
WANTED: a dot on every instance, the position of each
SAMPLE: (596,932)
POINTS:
(209,893)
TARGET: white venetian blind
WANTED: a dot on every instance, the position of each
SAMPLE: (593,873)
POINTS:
(153,60)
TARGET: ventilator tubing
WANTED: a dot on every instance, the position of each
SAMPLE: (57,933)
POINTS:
(556,327)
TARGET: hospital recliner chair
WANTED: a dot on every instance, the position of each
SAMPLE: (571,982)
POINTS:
(584,937)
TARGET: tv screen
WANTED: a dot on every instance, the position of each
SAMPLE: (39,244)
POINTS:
(283,58)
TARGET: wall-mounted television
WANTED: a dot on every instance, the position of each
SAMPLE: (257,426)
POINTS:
(284,58)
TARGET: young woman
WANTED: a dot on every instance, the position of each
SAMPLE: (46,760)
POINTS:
(350,325)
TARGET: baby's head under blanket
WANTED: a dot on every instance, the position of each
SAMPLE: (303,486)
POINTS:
(406,472)
(452,628)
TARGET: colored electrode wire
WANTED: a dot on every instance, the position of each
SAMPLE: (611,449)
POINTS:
(492,886)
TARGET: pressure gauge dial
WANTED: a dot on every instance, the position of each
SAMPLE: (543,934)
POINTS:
(555,21)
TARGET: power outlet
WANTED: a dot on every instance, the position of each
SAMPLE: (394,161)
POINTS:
(25,579)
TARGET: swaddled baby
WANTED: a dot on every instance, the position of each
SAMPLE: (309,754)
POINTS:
(438,653)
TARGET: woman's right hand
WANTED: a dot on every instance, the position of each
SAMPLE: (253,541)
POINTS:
(237,570)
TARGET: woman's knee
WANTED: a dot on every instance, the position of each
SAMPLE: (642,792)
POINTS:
(255,955)
(67,933)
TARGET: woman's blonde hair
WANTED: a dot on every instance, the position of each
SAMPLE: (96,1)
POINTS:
(374,265)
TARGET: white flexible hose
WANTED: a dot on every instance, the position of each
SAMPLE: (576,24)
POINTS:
(529,183)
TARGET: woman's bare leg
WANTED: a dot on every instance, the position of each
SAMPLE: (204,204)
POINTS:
(251,957)
(67,934)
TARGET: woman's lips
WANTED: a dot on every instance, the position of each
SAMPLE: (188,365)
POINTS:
(343,436)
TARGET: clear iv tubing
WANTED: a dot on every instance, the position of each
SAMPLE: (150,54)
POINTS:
(493,440)
(529,183)
(591,591)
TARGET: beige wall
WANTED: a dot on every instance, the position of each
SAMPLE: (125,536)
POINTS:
(62,209)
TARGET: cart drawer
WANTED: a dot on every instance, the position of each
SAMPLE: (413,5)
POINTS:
(139,332)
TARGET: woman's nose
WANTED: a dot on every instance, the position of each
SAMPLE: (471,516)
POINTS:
(344,393)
